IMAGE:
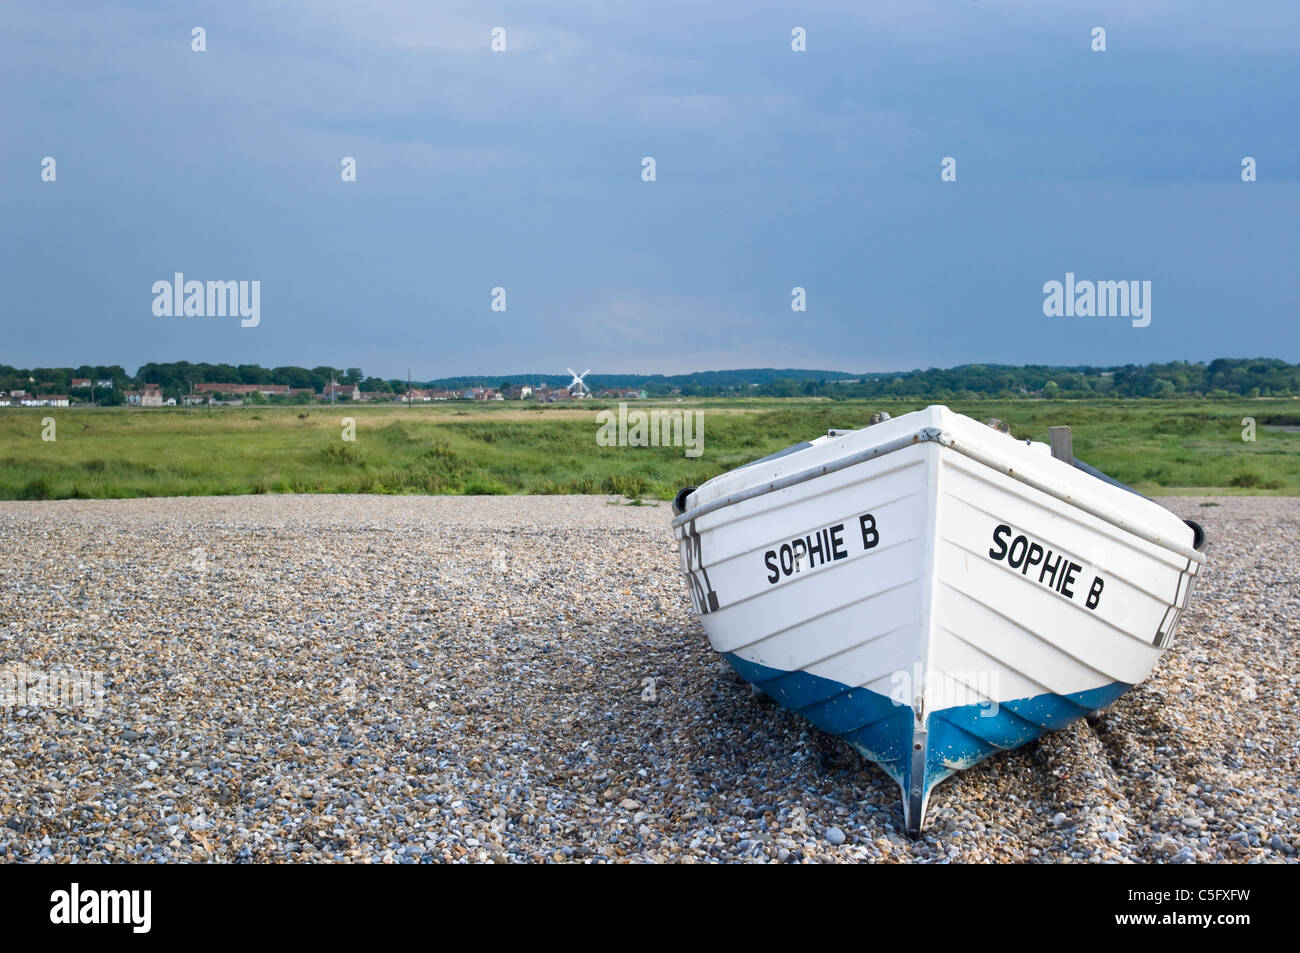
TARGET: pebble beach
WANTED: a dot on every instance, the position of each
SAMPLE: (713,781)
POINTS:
(521,679)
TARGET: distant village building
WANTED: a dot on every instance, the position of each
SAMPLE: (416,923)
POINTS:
(622,394)
(418,396)
(79,382)
(151,396)
(45,400)
(340,392)
(106,383)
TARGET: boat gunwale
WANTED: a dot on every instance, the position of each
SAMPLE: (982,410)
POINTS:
(944,439)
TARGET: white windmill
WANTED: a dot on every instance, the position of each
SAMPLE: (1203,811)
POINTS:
(582,389)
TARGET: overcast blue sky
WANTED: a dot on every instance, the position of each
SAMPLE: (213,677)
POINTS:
(522,169)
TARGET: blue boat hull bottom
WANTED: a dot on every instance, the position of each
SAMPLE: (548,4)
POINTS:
(918,755)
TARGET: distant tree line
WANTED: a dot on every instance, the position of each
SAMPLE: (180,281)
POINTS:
(698,384)
(180,374)
(1239,377)
(1224,377)
(177,378)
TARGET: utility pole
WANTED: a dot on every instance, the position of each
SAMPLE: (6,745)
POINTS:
(408,387)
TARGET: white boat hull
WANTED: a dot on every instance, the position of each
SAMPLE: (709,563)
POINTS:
(934,591)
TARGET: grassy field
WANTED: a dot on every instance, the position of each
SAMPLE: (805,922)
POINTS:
(1158,446)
